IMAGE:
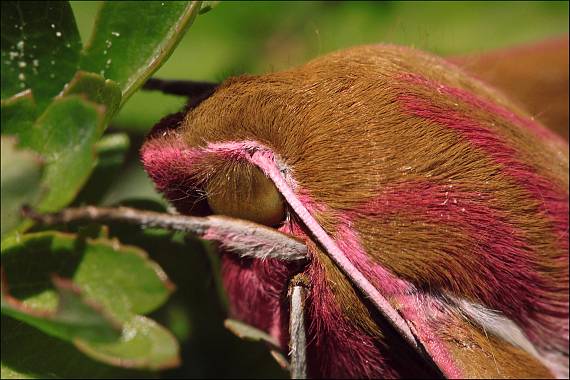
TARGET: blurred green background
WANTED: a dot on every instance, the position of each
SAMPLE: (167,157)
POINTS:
(257,37)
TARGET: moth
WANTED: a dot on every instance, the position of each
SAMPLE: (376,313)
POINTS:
(434,210)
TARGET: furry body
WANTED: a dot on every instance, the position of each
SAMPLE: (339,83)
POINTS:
(534,75)
(449,199)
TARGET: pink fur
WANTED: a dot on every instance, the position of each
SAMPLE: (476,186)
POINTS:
(493,108)
(323,301)
(258,288)
(504,260)
(350,352)
(329,331)
(553,200)
(264,159)
(170,163)
(403,293)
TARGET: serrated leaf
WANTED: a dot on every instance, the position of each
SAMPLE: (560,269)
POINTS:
(96,89)
(187,264)
(40,48)
(111,153)
(121,279)
(64,135)
(75,317)
(129,52)
(144,344)
(21,173)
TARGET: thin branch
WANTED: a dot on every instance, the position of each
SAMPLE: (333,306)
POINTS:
(239,236)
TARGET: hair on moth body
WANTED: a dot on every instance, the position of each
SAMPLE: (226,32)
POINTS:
(427,180)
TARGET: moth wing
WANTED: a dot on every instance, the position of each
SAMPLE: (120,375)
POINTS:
(521,70)
(477,345)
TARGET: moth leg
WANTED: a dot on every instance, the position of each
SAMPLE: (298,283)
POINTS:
(188,88)
(280,359)
(297,329)
(244,331)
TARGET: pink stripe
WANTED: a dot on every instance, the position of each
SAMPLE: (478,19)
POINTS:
(349,351)
(265,162)
(505,267)
(262,157)
(411,301)
(553,200)
(485,105)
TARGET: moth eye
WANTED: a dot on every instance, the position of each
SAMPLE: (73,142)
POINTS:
(247,195)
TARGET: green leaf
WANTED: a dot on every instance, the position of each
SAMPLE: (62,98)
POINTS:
(199,318)
(19,113)
(75,317)
(21,172)
(97,90)
(111,153)
(40,48)
(28,353)
(131,40)
(64,135)
(144,344)
(121,279)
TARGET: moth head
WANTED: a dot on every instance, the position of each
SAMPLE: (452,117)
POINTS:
(199,181)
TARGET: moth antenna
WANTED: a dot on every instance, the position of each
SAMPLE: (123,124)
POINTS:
(187,88)
(195,91)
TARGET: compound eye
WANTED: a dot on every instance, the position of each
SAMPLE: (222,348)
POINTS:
(246,194)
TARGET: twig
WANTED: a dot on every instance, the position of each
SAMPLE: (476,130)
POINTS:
(242,237)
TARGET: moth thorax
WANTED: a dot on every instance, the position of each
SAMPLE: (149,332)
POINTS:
(245,192)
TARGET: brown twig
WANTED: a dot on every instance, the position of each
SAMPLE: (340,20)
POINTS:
(242,237)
